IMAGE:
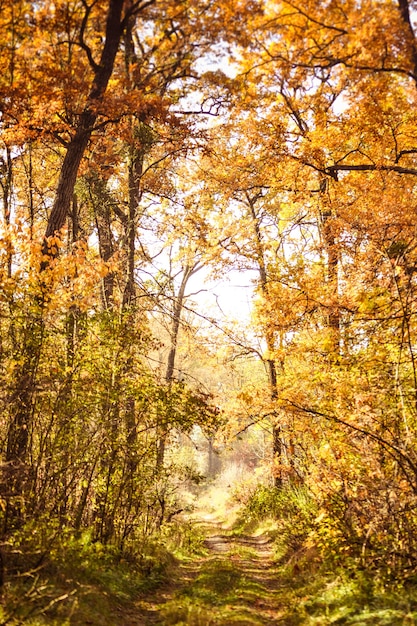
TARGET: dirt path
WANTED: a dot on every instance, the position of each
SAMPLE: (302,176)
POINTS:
(235,583)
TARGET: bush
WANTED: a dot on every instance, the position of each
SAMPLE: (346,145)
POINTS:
(292,508)
(56,577)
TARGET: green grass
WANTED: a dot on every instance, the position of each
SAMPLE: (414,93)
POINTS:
(227,589)
(81,582)
(346,598)
(221,594)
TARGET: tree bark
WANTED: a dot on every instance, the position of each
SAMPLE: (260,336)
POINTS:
(136,159)
(21,396)
(6,182)
(270,341)
(331,250)
(78,144)
(178,304)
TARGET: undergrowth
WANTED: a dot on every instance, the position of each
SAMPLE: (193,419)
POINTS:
(57,580)
(291,510)
(319,587)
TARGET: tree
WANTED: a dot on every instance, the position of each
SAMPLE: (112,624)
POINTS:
(338,141)
(85,150)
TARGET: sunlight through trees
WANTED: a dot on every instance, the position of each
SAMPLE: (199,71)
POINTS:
(145,143)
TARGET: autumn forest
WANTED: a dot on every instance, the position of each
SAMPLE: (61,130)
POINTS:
(208,281)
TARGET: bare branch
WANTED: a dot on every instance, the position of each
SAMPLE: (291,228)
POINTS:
(81,41)
(401,456)
(342,31)
(368,167)
(404,152)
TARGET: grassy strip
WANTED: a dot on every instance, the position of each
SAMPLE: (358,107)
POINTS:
(227,591)
(344,597)
(83,583)
(221,594)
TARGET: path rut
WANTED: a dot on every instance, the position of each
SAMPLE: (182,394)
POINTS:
(235,584)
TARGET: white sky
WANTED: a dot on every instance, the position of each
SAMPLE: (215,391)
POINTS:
(226,298)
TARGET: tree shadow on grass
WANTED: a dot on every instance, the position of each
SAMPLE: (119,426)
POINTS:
(236,583)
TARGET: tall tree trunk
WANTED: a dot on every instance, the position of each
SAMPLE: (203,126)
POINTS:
(73,326)
(78,144)
(21,397)
(136,159)
(332,253)
(103,205)
(177,306)
(270,342)
(128,305)
(6,182)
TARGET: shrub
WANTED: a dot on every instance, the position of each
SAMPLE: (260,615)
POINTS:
(292,508)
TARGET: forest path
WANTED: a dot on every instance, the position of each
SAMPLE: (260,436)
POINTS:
(235,583)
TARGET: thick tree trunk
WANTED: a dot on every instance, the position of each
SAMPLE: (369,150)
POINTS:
(68,176)
(78,144)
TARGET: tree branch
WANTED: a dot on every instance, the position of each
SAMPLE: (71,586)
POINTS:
(81,41)
(399,455)
(332,170)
